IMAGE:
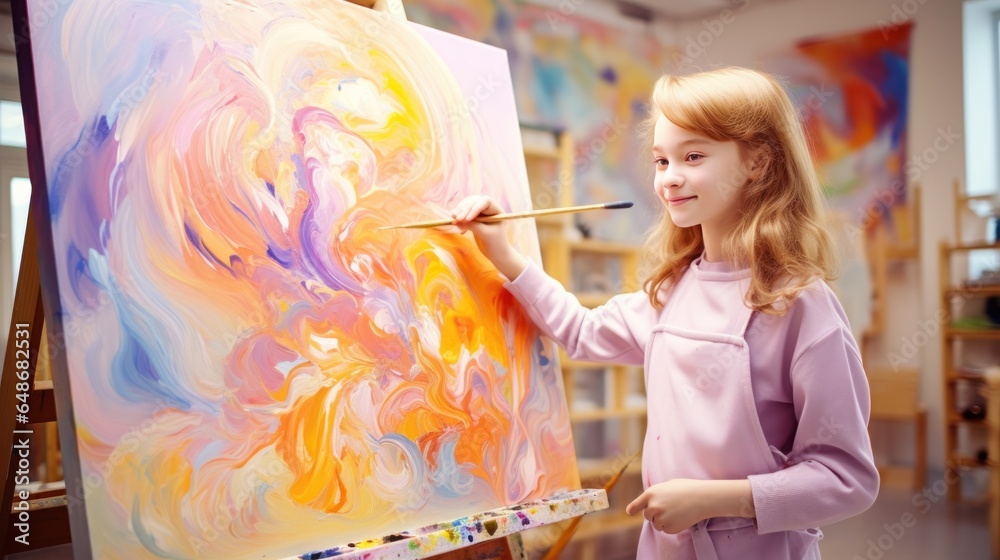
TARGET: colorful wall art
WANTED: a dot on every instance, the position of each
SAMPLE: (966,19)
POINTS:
(852,94)
(585,76)
(255,371)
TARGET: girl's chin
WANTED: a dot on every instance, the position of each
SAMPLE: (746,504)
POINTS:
(682,221)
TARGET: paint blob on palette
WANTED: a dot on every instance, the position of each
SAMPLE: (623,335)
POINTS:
(445,537)
(254,369)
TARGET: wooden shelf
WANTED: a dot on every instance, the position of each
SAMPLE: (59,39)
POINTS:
(980,245)
(567,363)
(605,414)
(592,469)
(952,353)
(901,253)
(973,291)
(542,153)
(965,377)
(980,334)
(606,267)
(593,299)
(971,462)
(606,247)
(975,197)
(955,418)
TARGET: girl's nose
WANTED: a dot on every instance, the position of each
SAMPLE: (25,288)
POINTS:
(671,179)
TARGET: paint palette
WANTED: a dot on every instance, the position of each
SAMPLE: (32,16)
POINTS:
(445,537)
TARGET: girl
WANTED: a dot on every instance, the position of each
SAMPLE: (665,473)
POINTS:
(758,402)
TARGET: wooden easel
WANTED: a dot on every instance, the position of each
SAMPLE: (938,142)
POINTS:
(48,511)
(48,515)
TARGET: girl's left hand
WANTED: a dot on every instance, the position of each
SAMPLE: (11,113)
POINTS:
(671,506)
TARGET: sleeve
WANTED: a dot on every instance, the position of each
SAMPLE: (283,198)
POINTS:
(604,334)
(830,472)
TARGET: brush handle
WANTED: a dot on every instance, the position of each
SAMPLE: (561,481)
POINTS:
(518,215)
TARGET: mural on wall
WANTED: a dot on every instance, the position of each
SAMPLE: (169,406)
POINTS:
(586,76)
(852,95)
(255,370)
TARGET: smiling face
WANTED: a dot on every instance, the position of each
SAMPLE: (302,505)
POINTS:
(697,178)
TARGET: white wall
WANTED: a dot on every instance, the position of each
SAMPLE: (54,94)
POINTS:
(748,36)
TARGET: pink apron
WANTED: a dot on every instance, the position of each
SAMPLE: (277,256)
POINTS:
(703,425)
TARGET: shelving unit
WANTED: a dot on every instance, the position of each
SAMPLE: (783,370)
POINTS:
(991,392)
(956,342)
(895,392)
(607,401)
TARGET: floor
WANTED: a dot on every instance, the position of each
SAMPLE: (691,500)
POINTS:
(902,525)
(936,531)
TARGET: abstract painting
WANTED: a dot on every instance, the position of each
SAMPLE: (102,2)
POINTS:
(588,77)
(852,94)
(254,369)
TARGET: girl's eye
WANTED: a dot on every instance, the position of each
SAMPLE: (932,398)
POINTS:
(660,162)
(695,157)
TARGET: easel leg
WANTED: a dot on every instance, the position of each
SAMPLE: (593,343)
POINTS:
(511,548)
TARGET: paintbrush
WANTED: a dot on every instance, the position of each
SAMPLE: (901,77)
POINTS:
(567,534)
(517,215)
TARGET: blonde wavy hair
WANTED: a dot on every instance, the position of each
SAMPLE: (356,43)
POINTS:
(781,231)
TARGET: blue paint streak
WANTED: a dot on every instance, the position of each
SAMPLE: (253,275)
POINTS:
(282,257)
(102,130)
(450,480)
(894,88)
(136,376)
(200,246)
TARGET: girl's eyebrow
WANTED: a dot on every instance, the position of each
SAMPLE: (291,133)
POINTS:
(691,141)
(688,142)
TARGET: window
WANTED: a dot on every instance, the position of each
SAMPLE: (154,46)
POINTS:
(981,60)
(15,195)
(11,124)
(20,196)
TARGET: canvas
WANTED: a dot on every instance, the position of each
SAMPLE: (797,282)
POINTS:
(253,369)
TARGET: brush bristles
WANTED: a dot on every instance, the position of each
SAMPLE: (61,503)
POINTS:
(617,205)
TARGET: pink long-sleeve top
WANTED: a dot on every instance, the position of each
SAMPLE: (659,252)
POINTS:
(808,383)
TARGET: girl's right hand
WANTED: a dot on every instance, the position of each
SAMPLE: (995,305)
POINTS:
(491,238)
